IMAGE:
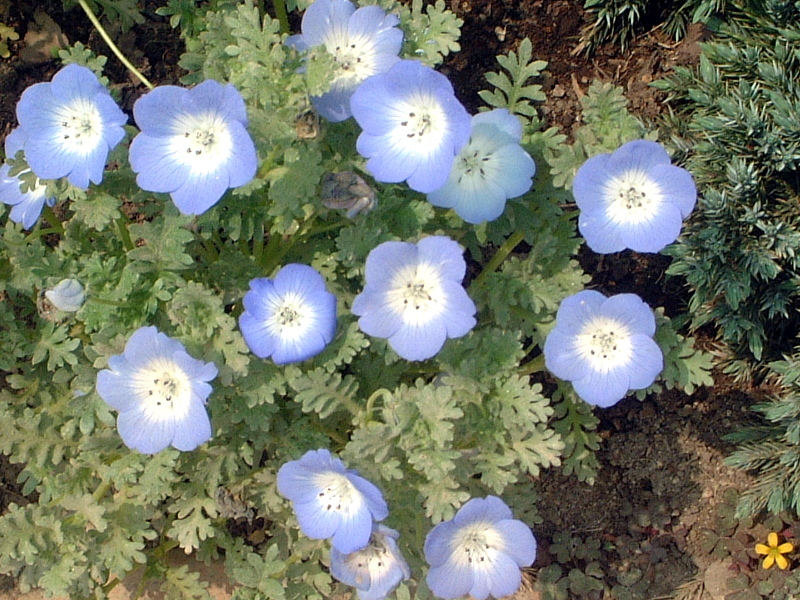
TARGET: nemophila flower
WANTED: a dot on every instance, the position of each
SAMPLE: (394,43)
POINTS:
(69,125)
(290,318)
(634,198)
(489,170)
(160,392)
(26,206)
(67,295)
(374,570)
(479,552)
(604,346)
(413,125)
(413,296)
(362,41)
(331,501)
(774,552)
(193,144)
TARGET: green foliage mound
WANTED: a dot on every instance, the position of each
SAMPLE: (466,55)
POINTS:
(736,120)
(479,418)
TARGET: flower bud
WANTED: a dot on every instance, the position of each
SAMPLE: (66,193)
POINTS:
(68,295)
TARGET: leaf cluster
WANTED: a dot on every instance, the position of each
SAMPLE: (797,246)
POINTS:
(124,12)
(479,418)
(770,448)
(618,21)
(606,125)
(733,125)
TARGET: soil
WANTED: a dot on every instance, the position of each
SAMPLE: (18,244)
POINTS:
(661,475)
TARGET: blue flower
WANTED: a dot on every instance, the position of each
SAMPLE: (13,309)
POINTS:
(68,126)
(479,552)
(604,346)
(363,42)
(26,207)
(490,169)
(193,144)
(160,392)
(413,296)
(290,318)
(374,570)
(634,198)
(413,125)
(331,501)
(68,295)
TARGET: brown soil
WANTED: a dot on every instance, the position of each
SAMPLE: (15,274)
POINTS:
(661,458)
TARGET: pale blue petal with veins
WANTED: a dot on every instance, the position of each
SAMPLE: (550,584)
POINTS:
(413,125)
(193,144)
(289,318)
(26,206)
(414,296)
(160,392)
(479,552)
(363,42)
(331,501)
(633,198)
(604,346)
(376,569)
(489,170)
(69,125)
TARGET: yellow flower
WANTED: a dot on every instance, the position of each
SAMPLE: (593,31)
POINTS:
(774,552)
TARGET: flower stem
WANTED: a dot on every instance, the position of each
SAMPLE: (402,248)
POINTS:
(93,18)
(127,242)
(54,221)
(533,366)
(502,253)
(280,12)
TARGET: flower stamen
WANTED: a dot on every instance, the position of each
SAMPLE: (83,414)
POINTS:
(605,344)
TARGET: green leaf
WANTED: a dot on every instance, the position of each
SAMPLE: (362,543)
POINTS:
(181,583)
(97,212)
(431,34)
(55,345)
(511,91)
(323,392)
(577,425)
(161,245)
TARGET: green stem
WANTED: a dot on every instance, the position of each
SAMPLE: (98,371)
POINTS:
(534,366)
(379,393)
(122,225)
(93,18)
(101,491)
(280,12)
(502,253)
(258,242)
(269,251)
(277,247)
(106,302)
(54,221)
(35,235)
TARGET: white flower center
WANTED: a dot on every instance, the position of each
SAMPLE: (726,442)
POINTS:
(421,124)
(605,344)
(202,142)
(471,163)
(477,545)
(337,494)
(80,127)
(416,294)
(290,317)
(355,57)
(632,198)
(163,388)
(372,561)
